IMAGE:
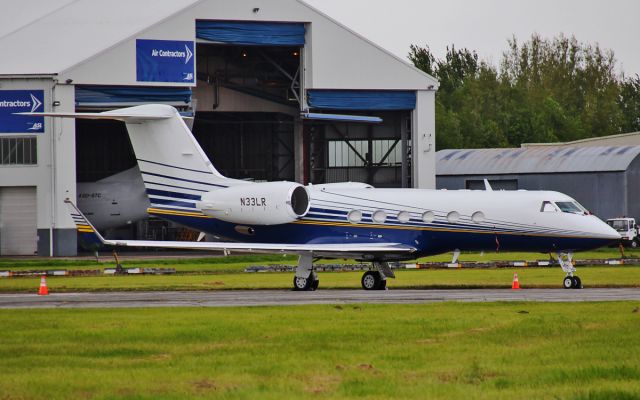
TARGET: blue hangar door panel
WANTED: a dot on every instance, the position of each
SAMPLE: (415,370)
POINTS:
(165,61)
(378,100)
(97,96)
(251,33)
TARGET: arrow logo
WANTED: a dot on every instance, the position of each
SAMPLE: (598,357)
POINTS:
(189,54)
(35,103)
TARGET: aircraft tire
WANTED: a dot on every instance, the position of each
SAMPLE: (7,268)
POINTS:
(370,280)
(567,283)
(305,284)
(577,283)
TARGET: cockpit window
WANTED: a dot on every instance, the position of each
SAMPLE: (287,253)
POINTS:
(569,207)
(547,206)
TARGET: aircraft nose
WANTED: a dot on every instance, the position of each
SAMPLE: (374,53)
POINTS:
(607,232)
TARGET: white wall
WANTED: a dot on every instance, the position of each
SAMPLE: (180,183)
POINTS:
(41,175)
(424,145)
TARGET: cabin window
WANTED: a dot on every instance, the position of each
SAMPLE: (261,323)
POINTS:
(547,206)
(379,216)
(453,216)
(477,217)
(355,216)
(428,217)
(404,217)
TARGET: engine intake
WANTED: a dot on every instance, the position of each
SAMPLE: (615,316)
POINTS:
(268,203)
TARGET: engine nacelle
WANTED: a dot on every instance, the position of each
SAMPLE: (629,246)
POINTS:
(268,203)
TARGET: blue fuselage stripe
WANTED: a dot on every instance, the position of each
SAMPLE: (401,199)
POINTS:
(177,195)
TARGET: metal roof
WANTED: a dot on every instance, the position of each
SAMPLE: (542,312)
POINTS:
(56,35)
(528,160)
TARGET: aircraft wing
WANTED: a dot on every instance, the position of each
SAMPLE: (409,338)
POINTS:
(336,250)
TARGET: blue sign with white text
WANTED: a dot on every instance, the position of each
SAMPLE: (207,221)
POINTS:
(16,101)
(165,61)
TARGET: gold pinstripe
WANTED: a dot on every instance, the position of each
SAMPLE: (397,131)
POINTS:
(179,213)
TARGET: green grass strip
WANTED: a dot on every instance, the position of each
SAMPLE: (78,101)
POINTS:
(434,351)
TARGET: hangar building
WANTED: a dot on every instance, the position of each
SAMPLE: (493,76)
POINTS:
(604,179)
(279,91)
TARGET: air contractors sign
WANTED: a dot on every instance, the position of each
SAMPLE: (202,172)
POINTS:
(16,101)
(164,61)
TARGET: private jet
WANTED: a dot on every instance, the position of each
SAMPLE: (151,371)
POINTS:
(339,220)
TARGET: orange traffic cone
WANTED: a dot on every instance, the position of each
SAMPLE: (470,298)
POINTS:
(515,285)
(43,287)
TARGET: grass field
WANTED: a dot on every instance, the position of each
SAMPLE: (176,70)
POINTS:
(529,277)
(436,351)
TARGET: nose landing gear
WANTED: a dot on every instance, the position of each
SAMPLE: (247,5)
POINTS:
(570,281)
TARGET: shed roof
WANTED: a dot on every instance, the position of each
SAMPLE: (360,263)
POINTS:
(535,160)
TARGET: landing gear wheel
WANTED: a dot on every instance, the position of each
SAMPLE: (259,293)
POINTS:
(567,283)
(372,280)
(577,283)
(306,284)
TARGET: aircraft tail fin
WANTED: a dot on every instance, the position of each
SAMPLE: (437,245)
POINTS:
(175,169)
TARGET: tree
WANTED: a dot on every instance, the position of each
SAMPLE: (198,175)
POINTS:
(629,103)
(546,90)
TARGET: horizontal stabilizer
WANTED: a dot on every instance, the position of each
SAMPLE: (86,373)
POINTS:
(119,115)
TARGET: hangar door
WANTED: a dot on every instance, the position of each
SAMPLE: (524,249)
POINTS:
(18,221)
(248,96)
(375,153)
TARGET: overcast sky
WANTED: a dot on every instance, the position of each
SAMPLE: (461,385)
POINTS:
(485,25)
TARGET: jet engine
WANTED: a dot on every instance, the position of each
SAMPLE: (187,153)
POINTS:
(268,203)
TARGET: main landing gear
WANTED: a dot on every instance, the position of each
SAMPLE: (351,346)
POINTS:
(377,280)
(570,281)
(306,279)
